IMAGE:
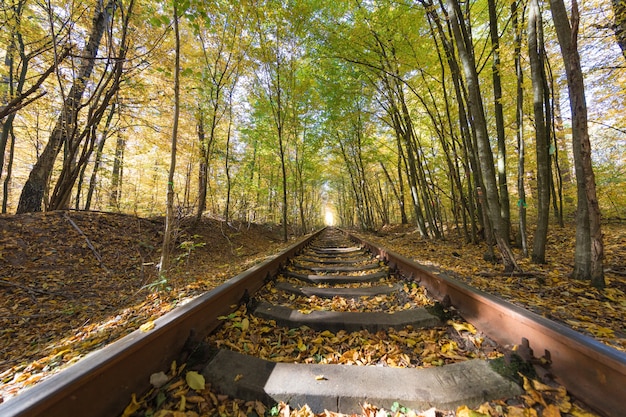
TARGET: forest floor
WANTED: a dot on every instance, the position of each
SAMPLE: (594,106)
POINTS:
(544,289)
(65,293)
(73,282)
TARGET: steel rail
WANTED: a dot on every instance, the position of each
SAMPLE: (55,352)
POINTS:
(101,384)
(591,371)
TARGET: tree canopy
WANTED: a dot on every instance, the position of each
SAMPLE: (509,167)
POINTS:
(451,116)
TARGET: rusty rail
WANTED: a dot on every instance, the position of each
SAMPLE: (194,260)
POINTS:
(591,371)
(101,384)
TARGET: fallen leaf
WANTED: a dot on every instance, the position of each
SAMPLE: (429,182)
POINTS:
(195,380)
(579,412)
(551,411)
(195,399)
(465,411)
(146,327)
(459,327)
(132,407)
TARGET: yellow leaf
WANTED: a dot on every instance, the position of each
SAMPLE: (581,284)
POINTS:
(465,411)
(449,347)
(551,411)
(486,408)
(603,332)
(175,385)
(430,358)
(181,392)
(195,399)
(195,380)
(21,377)
(459,327)
(132,407)
(301,346)
(245,324)
(563,401)
(540,386)
(33,379)
(147,326)
(579,412)
(517,412)
(164,413)
(320,378)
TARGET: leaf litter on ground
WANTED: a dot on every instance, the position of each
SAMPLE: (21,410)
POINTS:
(410,296)
(54,307)
(59,301)
(405,348)
(545,289)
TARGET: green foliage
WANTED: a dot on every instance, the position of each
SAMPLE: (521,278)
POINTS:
(189,246)
(274,411)
(330,62)
(396,407)
(158,285)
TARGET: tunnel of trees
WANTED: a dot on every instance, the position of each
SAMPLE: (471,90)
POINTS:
(479,120)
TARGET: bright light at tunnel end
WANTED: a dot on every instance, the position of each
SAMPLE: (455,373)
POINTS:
(329,217)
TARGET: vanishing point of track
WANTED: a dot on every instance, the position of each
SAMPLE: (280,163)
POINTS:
(321,266)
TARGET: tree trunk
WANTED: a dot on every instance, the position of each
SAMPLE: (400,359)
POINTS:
(283,169)
(79,147)
(15,89)
(485,154)
(414,189)
(98,161)
(32,194)
(468,160)
(394,190)
(519,127)
(353,180)
(535,52)
(203,167)
(556,187)
(227,158)
(401,195)
(117,173)
(560,138)
(7,179)
(588,202)
(164,264)
(299,182)
(497,98)
(448,145)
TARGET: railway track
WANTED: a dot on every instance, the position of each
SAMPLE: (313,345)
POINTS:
(297,327)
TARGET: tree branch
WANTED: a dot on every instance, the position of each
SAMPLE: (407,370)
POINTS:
(20,101)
